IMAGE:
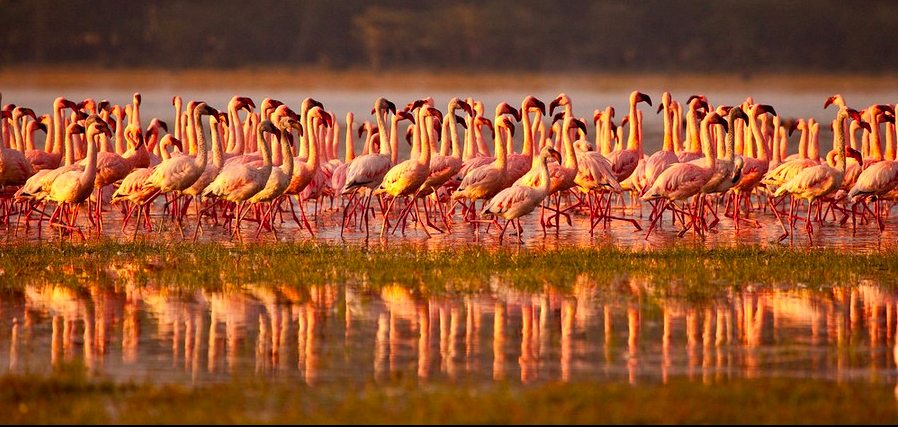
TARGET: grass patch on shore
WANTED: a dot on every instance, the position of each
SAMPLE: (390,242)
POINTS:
(688,271)
(71,397)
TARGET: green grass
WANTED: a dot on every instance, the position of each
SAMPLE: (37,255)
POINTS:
(70,397)
(691,272)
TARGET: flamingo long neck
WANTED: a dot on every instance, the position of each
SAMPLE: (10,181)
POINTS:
(527,149)
(469,139)
(813,148)
(201,154)
(730,140)
(191,132)
(839,143)
(29,138)
(135,114)
(424,158)
(545,181)
(217,152)
(236,130)
(570,156)
(758,138)
(677,129)
(287,165)
(382,128)
(178,106)
(90,170)
(17,134)
(59,129)
(163,151)
(266,152)
(69,149)
(445,140)
(775,142)
(606,127)
(600,133)
(393,149)
(453,136)
(350,142)
(803,143)
(481,143)
(707,146)
(501,155)
(692,129)
(668,134)
(312,133)
(633,138)
(890,141)
(875,141)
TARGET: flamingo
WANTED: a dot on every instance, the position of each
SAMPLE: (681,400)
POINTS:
(754,168)
(819,181)
(306,171)
(486,181)
(523,196)
(877,180)
(661,160)
(279,178)
(238,183)
(624,161)
(15,168)
(367,171)
(132,188)
(683,180)
(727,169)
(406,178)
(338,179)
(75,186)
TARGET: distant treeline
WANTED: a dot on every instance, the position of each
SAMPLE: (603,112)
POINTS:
(739,36)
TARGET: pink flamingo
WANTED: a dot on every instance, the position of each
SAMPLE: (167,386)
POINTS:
(525,195)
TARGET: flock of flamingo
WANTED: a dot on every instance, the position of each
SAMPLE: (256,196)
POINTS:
(271,162)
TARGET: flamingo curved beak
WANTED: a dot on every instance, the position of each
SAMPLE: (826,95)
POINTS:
(854,154)
(404,115)
(641,97)
(467,107)
(596,116)
(461,121)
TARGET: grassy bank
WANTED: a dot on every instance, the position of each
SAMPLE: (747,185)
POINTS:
(72,398)
(691,271)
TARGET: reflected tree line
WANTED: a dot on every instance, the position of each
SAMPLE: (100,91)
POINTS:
(650,35)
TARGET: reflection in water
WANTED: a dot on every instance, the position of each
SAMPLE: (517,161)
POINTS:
(327,333)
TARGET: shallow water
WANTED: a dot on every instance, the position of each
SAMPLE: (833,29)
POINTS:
(325,333)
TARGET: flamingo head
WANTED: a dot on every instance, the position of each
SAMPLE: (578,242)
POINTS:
(287,123)
(562,100)
(637,97)
(203,109)
(763,109)
(155,125)
(504,108)
(433,112)
(557,117)
(33,126)
(45,120)
(583,146)
(104,105)
(596,116)
(483,121)
(20,112)
(171,140)
(714,118)
(579,124)
(795,125)
(75,129)
(136,98)
(508,124)
(835,99)
(133,133)
(461,121)
(665,101)
(246,103)
(269,127)
(456,103)
(101,125)
(60,103)
(854,154)
(736,113)
(547,151)
(532,104)
(319,113)
(382,104)
(176,101)
(696,102)
(405,115)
